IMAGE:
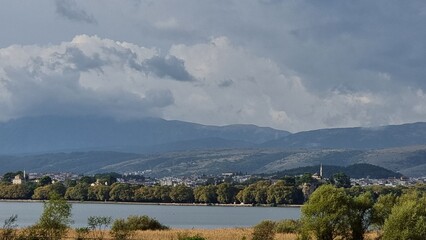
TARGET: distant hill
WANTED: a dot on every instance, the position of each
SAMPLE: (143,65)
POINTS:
(355,138)
(162,147)
(50,134)
(361,170)
(409,161)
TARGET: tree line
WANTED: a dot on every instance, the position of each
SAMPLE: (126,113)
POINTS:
(287,190)
(261,192)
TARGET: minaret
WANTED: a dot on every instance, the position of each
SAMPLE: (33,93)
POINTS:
(320,173)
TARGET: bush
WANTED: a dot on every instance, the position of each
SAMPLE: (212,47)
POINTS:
(98,224)
(120,230)
(33,233)
(81,233)
(124,228)
(144,223)
(53,223)
(287,226)
(185,236)
(264,230)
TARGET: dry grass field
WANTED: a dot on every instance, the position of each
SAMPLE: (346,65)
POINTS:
(214,234)
(209,234)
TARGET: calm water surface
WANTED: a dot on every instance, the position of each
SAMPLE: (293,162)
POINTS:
(173,216)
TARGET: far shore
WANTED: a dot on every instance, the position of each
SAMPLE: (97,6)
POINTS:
(155,203)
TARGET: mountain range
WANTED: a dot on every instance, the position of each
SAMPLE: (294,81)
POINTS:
(53,134)
(163,147)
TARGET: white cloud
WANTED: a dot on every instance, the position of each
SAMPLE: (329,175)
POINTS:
(212,82)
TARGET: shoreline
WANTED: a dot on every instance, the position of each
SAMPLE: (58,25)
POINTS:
(154,203)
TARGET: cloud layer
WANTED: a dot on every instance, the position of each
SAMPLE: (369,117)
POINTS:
(213,82)
(292,65)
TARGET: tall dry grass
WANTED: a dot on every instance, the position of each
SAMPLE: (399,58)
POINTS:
(210,234)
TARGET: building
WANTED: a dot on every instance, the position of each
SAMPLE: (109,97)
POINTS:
(18,180)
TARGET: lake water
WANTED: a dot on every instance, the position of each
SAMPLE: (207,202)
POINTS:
(172,216)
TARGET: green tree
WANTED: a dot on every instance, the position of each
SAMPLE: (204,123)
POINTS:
(226,193)
(407,220)
(45,180)
(382,209)
(79,192)
(247,195)
(162,193)
(282,193)
(182,194)
(70,182)
(340,180)
(98,193)
(87,179)
(205,194)
(261,192)
(108,178)
(145,194)
(305,178)
(326,214)
(55,219)
(121,192)
(43,193)
(361,210)
(289,181)
(22,191)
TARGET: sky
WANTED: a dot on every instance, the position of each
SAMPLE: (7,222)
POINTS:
(286,64)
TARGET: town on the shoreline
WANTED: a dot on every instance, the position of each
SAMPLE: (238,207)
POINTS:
(138,178)
(225,188)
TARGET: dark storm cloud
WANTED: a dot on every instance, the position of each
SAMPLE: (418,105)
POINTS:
(168,66)
(71,11)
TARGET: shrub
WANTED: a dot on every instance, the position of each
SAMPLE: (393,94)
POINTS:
(144,223)
(98,224)
(120,230)
(55,219)
(264,230)
(123,228)
(33,233)
(185,236)
(287,226)
(81,233)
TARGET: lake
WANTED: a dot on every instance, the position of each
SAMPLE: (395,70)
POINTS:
(171,215)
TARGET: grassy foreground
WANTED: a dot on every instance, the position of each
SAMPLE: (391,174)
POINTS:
(209,234)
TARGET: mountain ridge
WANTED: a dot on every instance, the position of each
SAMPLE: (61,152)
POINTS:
(355,138)
(52,134)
